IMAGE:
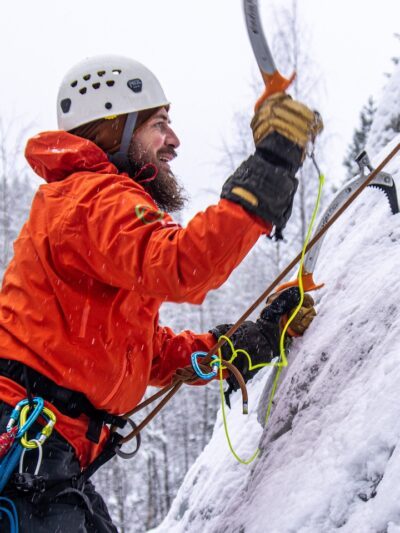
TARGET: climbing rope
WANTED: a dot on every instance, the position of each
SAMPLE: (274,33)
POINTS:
(10,513)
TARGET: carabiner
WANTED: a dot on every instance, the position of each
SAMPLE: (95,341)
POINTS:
(44,434)
(197,369)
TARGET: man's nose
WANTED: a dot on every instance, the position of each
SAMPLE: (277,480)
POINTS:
(172,139)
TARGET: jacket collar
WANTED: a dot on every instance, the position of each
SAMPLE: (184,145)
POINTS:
(54,155)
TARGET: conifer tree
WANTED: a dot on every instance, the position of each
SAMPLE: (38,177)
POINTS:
(360,137)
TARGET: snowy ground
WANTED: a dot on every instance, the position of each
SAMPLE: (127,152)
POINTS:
(329,458)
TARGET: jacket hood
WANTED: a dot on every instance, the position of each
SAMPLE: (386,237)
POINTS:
(54,155)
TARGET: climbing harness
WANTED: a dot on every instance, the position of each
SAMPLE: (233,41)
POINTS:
(67,401)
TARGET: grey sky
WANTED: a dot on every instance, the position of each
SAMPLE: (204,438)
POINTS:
(200,51)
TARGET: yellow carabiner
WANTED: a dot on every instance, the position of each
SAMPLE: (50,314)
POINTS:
(45,432)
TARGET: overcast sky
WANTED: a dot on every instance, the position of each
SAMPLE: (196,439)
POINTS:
(199,50)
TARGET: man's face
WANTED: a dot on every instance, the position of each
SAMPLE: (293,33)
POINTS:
(155,142)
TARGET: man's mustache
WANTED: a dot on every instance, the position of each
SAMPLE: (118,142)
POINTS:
(167,151)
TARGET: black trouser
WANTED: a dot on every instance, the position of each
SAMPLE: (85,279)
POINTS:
(75,510)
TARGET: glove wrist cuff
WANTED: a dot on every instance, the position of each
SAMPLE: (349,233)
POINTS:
(279,150)
(263,189)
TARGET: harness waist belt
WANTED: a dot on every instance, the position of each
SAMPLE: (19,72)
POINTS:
(67,401)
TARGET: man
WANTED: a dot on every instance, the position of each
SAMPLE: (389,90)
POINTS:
(100,253)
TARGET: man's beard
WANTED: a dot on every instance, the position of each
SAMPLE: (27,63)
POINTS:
(165,190)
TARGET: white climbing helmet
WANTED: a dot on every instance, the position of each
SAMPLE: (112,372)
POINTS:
(103,86)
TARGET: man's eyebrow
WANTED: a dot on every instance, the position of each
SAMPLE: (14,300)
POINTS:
(158,116)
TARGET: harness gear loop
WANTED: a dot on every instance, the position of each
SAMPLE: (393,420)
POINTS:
(40,457)
(129,455)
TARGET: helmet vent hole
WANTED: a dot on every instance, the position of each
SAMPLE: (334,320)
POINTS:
(74,83)
(83,90)
(65,105)
(86,77)
(96,85)
(116,71)
(101,73)
(108,105)
(110,83)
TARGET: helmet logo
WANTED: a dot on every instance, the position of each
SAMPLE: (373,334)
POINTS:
(135,85)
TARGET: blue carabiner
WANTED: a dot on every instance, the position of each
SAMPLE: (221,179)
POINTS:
(14,417)
(197,369)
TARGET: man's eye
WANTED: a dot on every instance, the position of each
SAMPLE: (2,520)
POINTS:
(160,125)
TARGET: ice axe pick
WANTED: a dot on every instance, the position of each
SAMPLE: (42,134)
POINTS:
(273,79)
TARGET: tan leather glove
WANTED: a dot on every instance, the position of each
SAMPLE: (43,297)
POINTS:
(303,319)
(289,118)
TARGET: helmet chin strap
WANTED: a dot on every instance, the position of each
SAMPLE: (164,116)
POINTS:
(121,158)
(141,174)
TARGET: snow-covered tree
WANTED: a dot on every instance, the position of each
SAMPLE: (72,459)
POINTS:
(360,137)
(17,186)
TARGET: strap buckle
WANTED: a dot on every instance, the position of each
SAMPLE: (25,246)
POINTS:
(27,482)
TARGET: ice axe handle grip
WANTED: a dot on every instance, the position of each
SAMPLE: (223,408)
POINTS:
(274,83)
(308,283)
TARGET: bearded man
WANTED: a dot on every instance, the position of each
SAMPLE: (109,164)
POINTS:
(98,256)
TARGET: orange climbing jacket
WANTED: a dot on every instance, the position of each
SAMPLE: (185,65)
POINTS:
(92,266)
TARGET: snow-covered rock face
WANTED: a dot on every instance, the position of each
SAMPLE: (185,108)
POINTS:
(329,456)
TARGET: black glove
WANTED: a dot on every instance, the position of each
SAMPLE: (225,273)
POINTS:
(265,184)
(262,187)
(278,305)
(259,339)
